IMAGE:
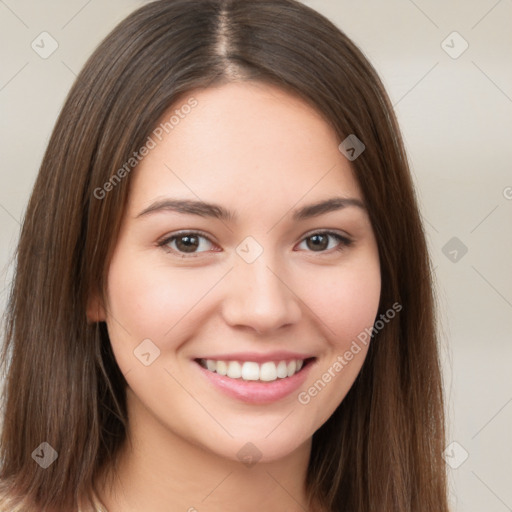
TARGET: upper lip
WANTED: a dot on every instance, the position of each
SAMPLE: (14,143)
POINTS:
(258,357)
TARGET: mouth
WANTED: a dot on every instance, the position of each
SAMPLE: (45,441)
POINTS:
(255,382)
(267,371)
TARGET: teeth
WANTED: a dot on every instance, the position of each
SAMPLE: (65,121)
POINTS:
(292,366)
(282,370)
(234,370)
(222,367)
(266,372)
(250,371)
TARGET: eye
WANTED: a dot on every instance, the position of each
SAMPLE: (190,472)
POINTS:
(193,242)
(319,242)
(186,242)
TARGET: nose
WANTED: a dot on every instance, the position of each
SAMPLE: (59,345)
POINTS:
(259,297)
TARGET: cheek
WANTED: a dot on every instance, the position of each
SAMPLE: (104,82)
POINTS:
(347,299)
(150,301)
(153,301)
(347,307)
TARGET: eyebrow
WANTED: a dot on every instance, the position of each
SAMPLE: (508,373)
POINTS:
(203,209)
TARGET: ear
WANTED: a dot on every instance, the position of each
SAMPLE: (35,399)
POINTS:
(95,309)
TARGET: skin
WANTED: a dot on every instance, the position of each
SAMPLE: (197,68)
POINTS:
(262,153)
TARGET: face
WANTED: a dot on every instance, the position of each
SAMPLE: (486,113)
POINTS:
(233,303)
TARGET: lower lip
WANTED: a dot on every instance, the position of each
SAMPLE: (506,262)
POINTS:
(257,392)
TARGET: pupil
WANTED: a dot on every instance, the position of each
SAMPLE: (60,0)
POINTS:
(188,243)
(319,238)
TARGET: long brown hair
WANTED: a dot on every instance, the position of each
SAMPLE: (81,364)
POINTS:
(381,449)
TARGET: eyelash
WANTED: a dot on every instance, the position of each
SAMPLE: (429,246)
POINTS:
(164,244)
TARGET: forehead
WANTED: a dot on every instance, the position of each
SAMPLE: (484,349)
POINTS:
(245,143)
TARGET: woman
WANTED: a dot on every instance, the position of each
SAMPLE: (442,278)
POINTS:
(174,343)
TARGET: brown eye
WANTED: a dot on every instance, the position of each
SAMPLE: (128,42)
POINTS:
(317,242)
(321,242)
(186,243)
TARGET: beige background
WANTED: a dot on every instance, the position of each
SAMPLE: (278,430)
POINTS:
(456,117)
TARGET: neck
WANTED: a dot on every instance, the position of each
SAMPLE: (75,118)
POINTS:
(160,471)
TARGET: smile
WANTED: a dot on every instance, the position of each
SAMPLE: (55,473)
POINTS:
(267,371)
